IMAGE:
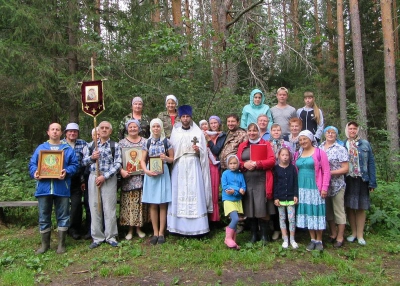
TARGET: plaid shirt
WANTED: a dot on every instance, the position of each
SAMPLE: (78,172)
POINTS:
(108,165)
(156,147)
(79,146)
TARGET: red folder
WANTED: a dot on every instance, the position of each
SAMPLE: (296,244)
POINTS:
(258,152)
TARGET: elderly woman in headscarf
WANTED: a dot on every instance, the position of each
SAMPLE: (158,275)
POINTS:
(339,166)
(137,113)
(360,180)
(133,212)
(314,176)
(157,186)
(215,141)
(170,116)
(258,203)
(256,107)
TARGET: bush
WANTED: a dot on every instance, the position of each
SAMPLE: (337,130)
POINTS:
(384,213)
(15,183)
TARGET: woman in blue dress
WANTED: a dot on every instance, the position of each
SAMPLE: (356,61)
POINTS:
(314,176)
(157,187)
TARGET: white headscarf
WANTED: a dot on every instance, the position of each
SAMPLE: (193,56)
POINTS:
(158,121)
(310,136)
(173,97)
(203,121)
(259,134)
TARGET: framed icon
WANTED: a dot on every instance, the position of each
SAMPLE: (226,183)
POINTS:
(156,165)
(131,160)
(92,93)
(50,164)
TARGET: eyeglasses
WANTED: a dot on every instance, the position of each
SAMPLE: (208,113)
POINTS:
(331,133)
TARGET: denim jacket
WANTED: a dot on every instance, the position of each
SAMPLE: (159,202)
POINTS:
(367,162)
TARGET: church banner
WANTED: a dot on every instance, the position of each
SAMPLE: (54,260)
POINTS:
(92,97)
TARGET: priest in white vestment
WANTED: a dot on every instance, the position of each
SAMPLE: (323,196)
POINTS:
(191,184)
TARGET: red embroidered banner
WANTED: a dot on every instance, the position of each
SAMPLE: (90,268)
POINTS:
(92,97)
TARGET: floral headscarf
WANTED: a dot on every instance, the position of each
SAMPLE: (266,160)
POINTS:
(354,162)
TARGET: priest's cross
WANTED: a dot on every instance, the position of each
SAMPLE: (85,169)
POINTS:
(195,140)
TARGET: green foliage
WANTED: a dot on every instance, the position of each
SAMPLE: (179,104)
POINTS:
(15,183)
(384,214)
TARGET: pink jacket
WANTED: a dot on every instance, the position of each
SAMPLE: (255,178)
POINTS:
(321,167)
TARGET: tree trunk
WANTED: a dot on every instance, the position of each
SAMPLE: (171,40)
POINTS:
(203,28)
(285,40)
(295,22)
(341,65)
(216,47)
(331,31)
(188,23)
(396,29)
(177,14)
(72,58)
(317,32)
(271,41)
(156,14)
(390,78)
(96,25)
(358,67)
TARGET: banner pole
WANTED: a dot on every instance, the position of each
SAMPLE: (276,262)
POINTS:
(99,203)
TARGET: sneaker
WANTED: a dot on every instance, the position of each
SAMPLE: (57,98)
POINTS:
(319,246)
(294,244)
(94,245)
(351,238)
(285,244)
(275,235)
(310,246)
(361,241)
(113,243)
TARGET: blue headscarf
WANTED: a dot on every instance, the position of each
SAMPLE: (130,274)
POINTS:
(336,131)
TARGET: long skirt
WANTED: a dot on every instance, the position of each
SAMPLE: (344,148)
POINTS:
(311,208)
(215,181)
(132,211)
(356,196)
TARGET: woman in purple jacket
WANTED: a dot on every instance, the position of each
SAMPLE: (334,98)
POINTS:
(314,176)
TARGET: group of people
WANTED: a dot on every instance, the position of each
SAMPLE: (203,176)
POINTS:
(269,163)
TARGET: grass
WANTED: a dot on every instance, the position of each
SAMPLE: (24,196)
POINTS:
(196,261)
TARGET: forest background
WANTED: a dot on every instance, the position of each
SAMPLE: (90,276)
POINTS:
(210,54)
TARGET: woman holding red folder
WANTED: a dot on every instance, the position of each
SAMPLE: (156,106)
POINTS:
(256,163)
